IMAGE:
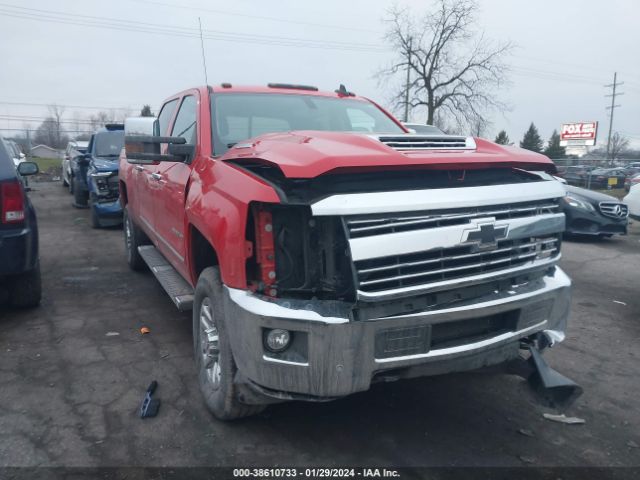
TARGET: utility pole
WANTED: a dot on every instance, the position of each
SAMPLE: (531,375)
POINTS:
(28,153)
(406,90)
(613,106)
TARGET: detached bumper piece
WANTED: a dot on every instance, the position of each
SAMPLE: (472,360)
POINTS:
(555,389)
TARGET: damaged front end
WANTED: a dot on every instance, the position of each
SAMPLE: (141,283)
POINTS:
(379,276)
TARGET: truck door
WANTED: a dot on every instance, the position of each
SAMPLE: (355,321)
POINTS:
(145,178)
(172,179)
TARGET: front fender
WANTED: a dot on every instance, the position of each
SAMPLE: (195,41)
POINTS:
(217,206)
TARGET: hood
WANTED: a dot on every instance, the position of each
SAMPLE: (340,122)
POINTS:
(590,194)
(108,164)
(308,154)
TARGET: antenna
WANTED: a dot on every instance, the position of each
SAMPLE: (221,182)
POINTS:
(204,60)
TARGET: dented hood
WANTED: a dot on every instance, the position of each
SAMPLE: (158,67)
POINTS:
(308,154)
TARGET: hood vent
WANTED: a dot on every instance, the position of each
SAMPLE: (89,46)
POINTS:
(427,142)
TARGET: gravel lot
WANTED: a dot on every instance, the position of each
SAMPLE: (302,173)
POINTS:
(69,392)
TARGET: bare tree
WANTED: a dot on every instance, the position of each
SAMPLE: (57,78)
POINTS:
(450,69)
(618,145)
(49,133)
(99,120)
(55,113)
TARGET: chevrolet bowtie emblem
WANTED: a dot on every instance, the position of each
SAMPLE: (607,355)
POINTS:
(484,234)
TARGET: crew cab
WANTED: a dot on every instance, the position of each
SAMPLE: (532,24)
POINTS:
(19,262)
(94,181)
(322,247)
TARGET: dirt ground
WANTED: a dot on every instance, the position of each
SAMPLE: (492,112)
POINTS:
(73,373)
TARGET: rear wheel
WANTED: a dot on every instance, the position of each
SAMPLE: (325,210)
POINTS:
(214,360)
(133,238)
(26,289)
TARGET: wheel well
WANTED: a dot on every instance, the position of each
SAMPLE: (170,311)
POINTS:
(202,253)
(124,200)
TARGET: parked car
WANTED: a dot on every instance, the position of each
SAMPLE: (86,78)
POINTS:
(74,148)
(630,181)
(95,176)
(593,213)
(603,178)
(423,129)
(14,151)
(310,271)
(633,201)
(577,174)
(19,262)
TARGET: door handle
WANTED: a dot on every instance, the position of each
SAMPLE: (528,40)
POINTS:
(140,168)
(156,176)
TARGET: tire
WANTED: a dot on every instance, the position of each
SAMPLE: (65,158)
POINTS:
(65,183)
(133,238)
(95,219)
(70,185)
(213,357)
(80,196)
(26,289)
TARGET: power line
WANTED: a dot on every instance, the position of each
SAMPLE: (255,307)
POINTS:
(50,16)
(26,118)
(87,107)
(257,17)
(613,106)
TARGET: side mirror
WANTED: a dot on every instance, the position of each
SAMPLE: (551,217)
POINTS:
(142,142)
(27,168)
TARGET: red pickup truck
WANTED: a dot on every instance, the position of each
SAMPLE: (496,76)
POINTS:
(323,247)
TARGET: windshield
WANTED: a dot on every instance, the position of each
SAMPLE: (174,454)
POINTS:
(240,116)
(108,144)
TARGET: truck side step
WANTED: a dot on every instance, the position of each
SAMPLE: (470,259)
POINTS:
(177,287)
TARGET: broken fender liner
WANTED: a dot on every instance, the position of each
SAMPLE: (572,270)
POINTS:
(555,389)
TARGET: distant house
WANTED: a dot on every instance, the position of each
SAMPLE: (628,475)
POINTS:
(45,151)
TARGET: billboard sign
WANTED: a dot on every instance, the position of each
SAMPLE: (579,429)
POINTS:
(578,134)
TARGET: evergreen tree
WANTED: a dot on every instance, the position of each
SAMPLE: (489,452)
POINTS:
(531,140)
(146,111)
(554,150)
(502,138)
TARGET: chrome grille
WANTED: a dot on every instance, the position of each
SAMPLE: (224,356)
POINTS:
(401,271)
(369,225)
(614,209)
(427,142)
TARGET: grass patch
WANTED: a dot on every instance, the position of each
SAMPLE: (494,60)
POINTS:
(48,165)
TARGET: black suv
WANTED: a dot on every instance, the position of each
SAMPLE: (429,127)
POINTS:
(19,262)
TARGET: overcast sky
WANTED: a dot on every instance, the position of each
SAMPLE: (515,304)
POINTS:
(125,53)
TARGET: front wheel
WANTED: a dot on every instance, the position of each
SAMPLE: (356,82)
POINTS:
(214,360)
(80,195)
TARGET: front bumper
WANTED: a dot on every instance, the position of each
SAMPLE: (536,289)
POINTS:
(108,211)
(593,223)
(335,356)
